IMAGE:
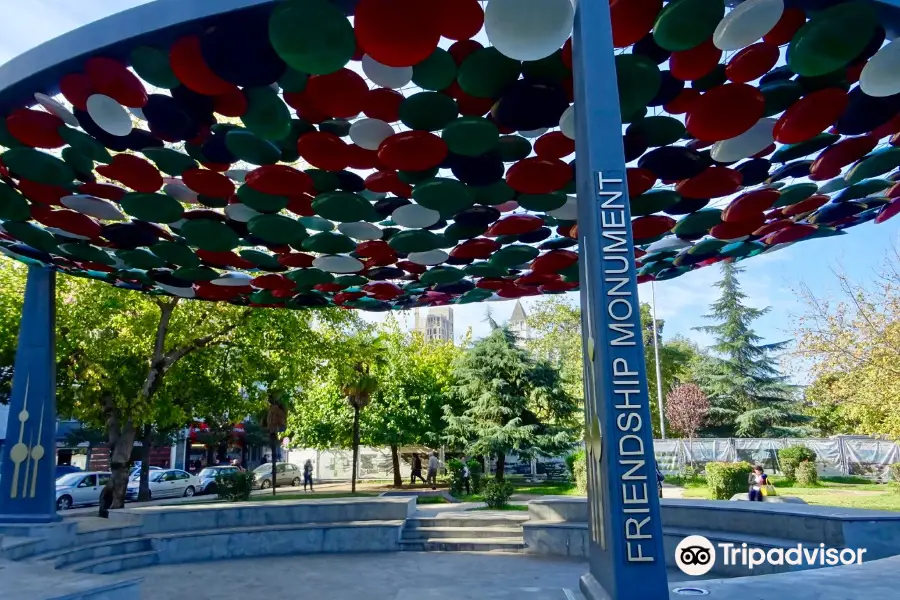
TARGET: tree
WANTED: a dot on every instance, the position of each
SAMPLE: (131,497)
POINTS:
(748,395)
(686,410)
(509,402)
(275,422)
(358,382)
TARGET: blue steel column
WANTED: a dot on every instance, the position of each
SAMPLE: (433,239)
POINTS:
(27,490)
(626,547)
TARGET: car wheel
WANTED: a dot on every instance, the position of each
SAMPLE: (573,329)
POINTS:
(266,484)
(64,503)
(189,491)
(296,482)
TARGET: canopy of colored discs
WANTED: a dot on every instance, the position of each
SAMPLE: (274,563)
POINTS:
(388,154)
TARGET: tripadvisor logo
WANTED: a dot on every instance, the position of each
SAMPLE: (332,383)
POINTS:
(695,555)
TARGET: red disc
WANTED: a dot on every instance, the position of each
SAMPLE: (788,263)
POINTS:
(651,226)
(810,116)
(384,104)
(461,50)
(738,229)
(889,128)
(208,183)
(640,181)
(360,158)
(682,102)
(887,211)
(134,172)
(804,206)
(567,53)
(374,248)
(103,190)
(632,20)
(554,145)
(411,267)
(382,182)
(558,286)
(35,128)
(535,279)
(460,19)
(301,204)
(42,193)
(475,248)
(189,67)
(279,180)
(340,94)
(412,151)
(296,260)
(752,62)
(208,291)
(554,261)
(272,281)
(725,112)
(77,88)
(773,227)
(714,182)
(305,109)
(836,157)
(323,150)
(792,19)
(854,71)
(538,175)
(112,78)
(515,225)
(749,204)
(487,283)
(67,220)
(788,234)
(692,64)
(397,33)
(893,191)
(231,104)
(765,151)
(469,106)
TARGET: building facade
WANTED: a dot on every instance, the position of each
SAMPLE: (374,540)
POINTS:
(518,324)
(435,324)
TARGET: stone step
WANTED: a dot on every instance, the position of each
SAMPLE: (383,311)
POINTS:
(96,550)
(466,521)
(108,534)
(19,548)
(115,564)
(419,533)
(512,545)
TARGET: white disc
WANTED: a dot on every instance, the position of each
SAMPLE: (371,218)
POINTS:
(181,192)
(338,264)
(754,140)
(181,292)
(138,113)
(93,207)
(384,76)
(240,212)
(232,279)
(369,133)
(746,23)
(109,115)
(237,174)
(415,216)
(429,258)
(667,244)
(567,123)
(361,230)
(534,133)
(54,107)
(566,212)
(881,75)
(528,29)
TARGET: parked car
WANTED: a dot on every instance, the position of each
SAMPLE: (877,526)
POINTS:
(135,472)
(285,474)
(80,489)
(168,483)
(66,469)
(207,478)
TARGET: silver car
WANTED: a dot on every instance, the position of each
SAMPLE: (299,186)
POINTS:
(285,474)
(80,489)
(207,478)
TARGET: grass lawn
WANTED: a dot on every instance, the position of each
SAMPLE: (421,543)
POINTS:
(512,507)
(431,500)
(312,496)
(531,489)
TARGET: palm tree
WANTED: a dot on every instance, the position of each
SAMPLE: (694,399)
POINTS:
(360,382)
(274,421)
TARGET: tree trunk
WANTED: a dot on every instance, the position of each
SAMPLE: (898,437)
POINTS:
(118,466)
(501,466)
(355,447)
(395,460)
(272,439)
(210,455)
(146,445)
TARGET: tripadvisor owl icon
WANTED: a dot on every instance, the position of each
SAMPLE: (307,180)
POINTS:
(695,555)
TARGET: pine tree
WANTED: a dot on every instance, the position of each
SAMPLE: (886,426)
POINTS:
(748,395)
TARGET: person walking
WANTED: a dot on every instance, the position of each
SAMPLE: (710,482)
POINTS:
(659,480)
(466,475)
(417,469)
(432,470)
(307,475)
(756,482)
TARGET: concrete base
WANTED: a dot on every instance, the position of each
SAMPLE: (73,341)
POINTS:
(425,493)
(771,499)
(592,589)
(28,581)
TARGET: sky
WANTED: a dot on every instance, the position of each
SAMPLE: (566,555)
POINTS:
(770,280)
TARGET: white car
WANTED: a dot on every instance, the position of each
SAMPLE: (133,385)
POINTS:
(80,489)
(169,483)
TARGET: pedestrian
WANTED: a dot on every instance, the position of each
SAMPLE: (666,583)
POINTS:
(756,481)
(417,469)
(466,475)
(307,475)
(432,470)
(236,463)
(659,480)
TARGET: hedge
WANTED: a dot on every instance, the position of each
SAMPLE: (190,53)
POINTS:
(724,480)
(792,456)
(806,474)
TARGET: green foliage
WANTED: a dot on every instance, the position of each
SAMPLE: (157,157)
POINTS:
(455,473)
(724,480)
(476,474)
(578,468)
(497,493)
(806,474)
(789,458)
(895,472)
(234,487)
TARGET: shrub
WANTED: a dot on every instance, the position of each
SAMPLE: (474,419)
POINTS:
(806,474)
(792,456)
(497,493)
(234,487)
(455,470)
(895,472)
(724,480)
(476,473)
(578,468)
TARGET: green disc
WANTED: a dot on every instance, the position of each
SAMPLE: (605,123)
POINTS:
(742,249)
(267,116)
(276,229)
(344,207)
(312,36)
(88,252)
(486,269)
(415,240)
(832,38)
(8,140)
(833,185)
(795,151)
(260,201)
(141,259)
(13,206)
(879,162)
(212,201)
(152,65)
(327,242)
(457,232)
(79,162)
(262,260)
(639,80)
(323,181)
(338,127)
(505,240)
(156,208)
(486,73)
(439,275)
(308,278)
(170,162)
(837,79)
(316,223)
(247,146)
(447,196)
(493,195)
(779,96)
(657,131)
(795,193)
(476,295)
(514,256)
(38,166)
(699,222)
(714,78)
(551,68)
(293,81)
(685,24)
(428,111)
(350,280)
(863,189)
(470,136)
(210,235)
(414,177)
(436,72)
(653,201)
(85,144)
(705,247)
(196,273)
(175,253)
(542,202)
(513,148)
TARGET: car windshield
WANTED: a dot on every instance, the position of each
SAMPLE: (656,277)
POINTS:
(70,479)
(156,475)
(264,468)
(208,472)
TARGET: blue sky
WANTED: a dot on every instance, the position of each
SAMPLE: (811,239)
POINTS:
(770,280)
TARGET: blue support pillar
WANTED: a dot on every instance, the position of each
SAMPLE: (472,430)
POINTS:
(626,545)
(27,485)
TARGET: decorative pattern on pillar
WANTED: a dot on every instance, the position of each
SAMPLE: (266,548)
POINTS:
(626,547)
(27,491)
